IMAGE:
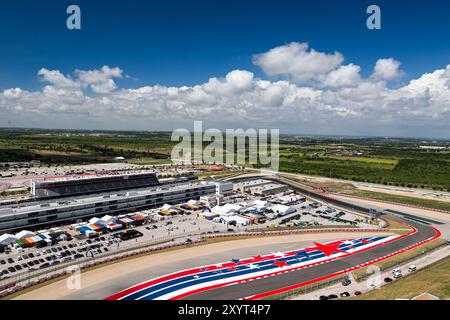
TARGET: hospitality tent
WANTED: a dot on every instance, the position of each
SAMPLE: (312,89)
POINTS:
(7,239)
(24,234)
(227,209)
(109,219)
(282,209)
(95,220)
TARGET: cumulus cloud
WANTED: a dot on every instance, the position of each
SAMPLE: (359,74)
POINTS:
(100,81)
(387,69)
(57,79)
(298,62)
(344,76)
(337,96)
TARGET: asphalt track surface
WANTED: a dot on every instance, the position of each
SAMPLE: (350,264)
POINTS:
(278,282)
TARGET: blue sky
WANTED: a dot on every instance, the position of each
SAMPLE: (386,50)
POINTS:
(185,43)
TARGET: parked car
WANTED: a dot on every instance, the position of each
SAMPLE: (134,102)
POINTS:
(412,268)
(387,280)
(397,273)
(346,282)
(345,294)
(332,296)
(357,293)
(323,298)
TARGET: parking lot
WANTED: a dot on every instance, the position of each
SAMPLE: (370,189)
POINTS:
(32,259)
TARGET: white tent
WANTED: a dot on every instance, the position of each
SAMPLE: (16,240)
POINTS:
(95,220)
(7,239)
(228,219)
(242,220)
(227,209)
(24,234)
(109,219)
(282,209)
(260,203)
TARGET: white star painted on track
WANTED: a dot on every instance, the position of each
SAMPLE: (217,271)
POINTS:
(253,266)
(279,254)
(196,276)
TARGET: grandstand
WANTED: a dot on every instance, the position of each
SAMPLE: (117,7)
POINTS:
(42,214)
(86,184)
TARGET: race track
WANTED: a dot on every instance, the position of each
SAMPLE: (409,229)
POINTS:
(264,287)
(262,276)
